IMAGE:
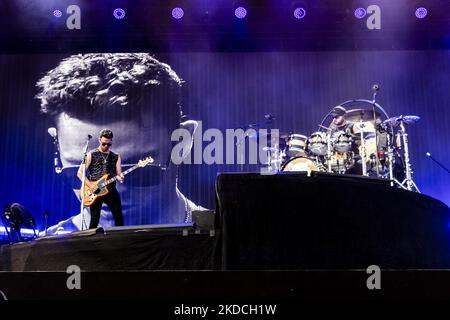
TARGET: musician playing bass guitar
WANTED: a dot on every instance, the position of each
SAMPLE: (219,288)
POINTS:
(100,162)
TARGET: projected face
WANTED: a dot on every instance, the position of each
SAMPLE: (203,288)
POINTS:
(133,139)
(136,97)
(146,135)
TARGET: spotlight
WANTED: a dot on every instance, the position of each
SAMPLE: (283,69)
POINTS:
(421,12)
(119,13)
(240,12)
(299,13)
(360,13)
(57,13)
(177,13)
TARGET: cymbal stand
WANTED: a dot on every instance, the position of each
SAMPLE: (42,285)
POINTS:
(390,153)
(363,148)
(408,183)
(329,151)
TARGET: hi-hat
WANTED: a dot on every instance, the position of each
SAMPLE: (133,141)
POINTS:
(395,121)
(258,134)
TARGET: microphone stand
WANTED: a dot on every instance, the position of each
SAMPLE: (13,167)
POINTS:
(438,163)
(83,181)
(256,127)
(46,221)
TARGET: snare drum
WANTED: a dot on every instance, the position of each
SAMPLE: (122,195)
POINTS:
(318,143)
(341,162)
(296,145)
(342,141)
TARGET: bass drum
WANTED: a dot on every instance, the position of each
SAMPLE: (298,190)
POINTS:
(300,164)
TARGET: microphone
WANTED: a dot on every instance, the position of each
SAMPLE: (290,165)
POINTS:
(89,137)
(437,162)
(52,131)
(375,89)
(57,160)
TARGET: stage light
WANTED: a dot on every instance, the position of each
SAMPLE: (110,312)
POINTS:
(14,217)
(177,13)
(299,13)
(57,13)
(421,12)
(240,12)
(360,13)
(119,13)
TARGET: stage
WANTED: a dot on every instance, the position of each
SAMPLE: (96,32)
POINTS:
(266,222)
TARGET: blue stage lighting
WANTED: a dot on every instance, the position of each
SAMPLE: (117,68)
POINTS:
(119,13)
(177,13)
(421,12)
(299,13)
(360,13)
(240,12)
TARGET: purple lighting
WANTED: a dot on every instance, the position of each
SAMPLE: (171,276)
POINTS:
(360,13)
(57,13)
(299,13)
(421,12)
(119,13)
(240,12)
(177,13)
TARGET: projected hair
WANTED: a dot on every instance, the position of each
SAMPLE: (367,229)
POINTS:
(84,84)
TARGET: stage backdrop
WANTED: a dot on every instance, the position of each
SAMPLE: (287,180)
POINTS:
(226,91)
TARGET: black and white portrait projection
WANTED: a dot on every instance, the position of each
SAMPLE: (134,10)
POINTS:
(51,103)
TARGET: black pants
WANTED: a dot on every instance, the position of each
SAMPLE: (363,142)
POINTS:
(112,199)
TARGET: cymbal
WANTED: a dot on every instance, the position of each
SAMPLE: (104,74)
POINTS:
(258,134)
(365,127)
(355,115)
(271,149)
(366,135)
(394,121)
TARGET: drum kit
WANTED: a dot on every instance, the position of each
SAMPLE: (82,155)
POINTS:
(365,146)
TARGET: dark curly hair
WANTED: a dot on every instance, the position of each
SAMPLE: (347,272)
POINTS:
(84,84)
(106,133)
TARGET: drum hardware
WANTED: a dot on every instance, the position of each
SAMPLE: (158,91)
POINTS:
(329,151)
(327,136)
(390,154)
(257,134)
(361,127)
(275,158)
(375,89)
(408,183)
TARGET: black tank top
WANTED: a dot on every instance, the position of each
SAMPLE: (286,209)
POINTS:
(101,164)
